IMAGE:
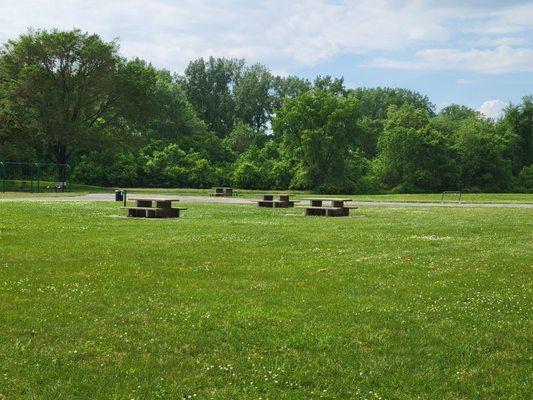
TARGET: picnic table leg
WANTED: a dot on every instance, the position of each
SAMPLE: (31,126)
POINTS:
(167,209)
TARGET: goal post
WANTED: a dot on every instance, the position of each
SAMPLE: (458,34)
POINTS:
(454,194)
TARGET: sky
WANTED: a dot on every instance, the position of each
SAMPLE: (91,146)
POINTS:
(477,53)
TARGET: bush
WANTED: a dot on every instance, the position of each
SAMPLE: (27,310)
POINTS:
(525,178)
(247,175)
(170,166)
(106,168)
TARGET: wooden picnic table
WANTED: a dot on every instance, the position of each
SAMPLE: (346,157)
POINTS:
(336,207)
(282,201)
(222,191)
(154,207)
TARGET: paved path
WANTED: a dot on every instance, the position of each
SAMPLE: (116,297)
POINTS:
(241,200)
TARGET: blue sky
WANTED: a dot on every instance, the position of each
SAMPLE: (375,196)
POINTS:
(478,53)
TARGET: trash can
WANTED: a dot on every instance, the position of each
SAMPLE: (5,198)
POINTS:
(119,195)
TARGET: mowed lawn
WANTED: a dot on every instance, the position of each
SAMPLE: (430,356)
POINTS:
(238,302)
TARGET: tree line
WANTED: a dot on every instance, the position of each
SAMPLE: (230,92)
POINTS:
(70,97)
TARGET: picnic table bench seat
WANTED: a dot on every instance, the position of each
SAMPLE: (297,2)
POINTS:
(222,192)
(337,208)
(282,201)
(275,203)
(145,208)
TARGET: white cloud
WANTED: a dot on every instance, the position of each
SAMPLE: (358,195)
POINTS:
(282,34)
(503,21)
(502,59)
(493,108)
(493,42)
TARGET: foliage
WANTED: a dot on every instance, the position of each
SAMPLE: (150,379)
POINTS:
(208,87)
(480,154)
(253,100)
(519,120)
(107,168)
(70,97)
(242,137)
(526,178)
(62,89)
(262,168)
(412,155)
(319,130)
(172,166)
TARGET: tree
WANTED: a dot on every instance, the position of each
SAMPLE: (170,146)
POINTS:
(171,166)
(412,155)
(450,119)
(332,85)
(319,130)
(173,120)
(375,102)
(108,168)
(208,87)
(242,137)
(519,120)
(374,105)
(63,89)
(480,151)
(287,88)
(253,101)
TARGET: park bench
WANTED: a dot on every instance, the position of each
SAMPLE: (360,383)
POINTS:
(222,191)
(60,186)
(154,208)
(282,201)
(338,208)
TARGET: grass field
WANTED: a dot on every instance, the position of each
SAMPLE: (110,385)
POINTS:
(238,302)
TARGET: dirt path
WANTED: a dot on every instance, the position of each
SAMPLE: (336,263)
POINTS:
(240,200)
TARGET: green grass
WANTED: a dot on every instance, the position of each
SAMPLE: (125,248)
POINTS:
(235,301)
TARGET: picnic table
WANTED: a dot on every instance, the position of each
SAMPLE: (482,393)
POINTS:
(222,191)
(154,208)
(282,201)
(335,207)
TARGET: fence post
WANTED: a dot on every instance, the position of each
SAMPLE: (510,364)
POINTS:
(67,174)
(3,176)
(38,178)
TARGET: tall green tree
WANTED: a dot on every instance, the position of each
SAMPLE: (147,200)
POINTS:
(208,85)
(253,98)
(450,118)
(288,87)
(374,105)
(320,131)
(519,119)
(332,85)
(412,155)
(480,152)
(63,89)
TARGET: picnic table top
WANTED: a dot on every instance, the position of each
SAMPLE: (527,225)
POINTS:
(153,199)
(222,187)
(276,194)
(326,199)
